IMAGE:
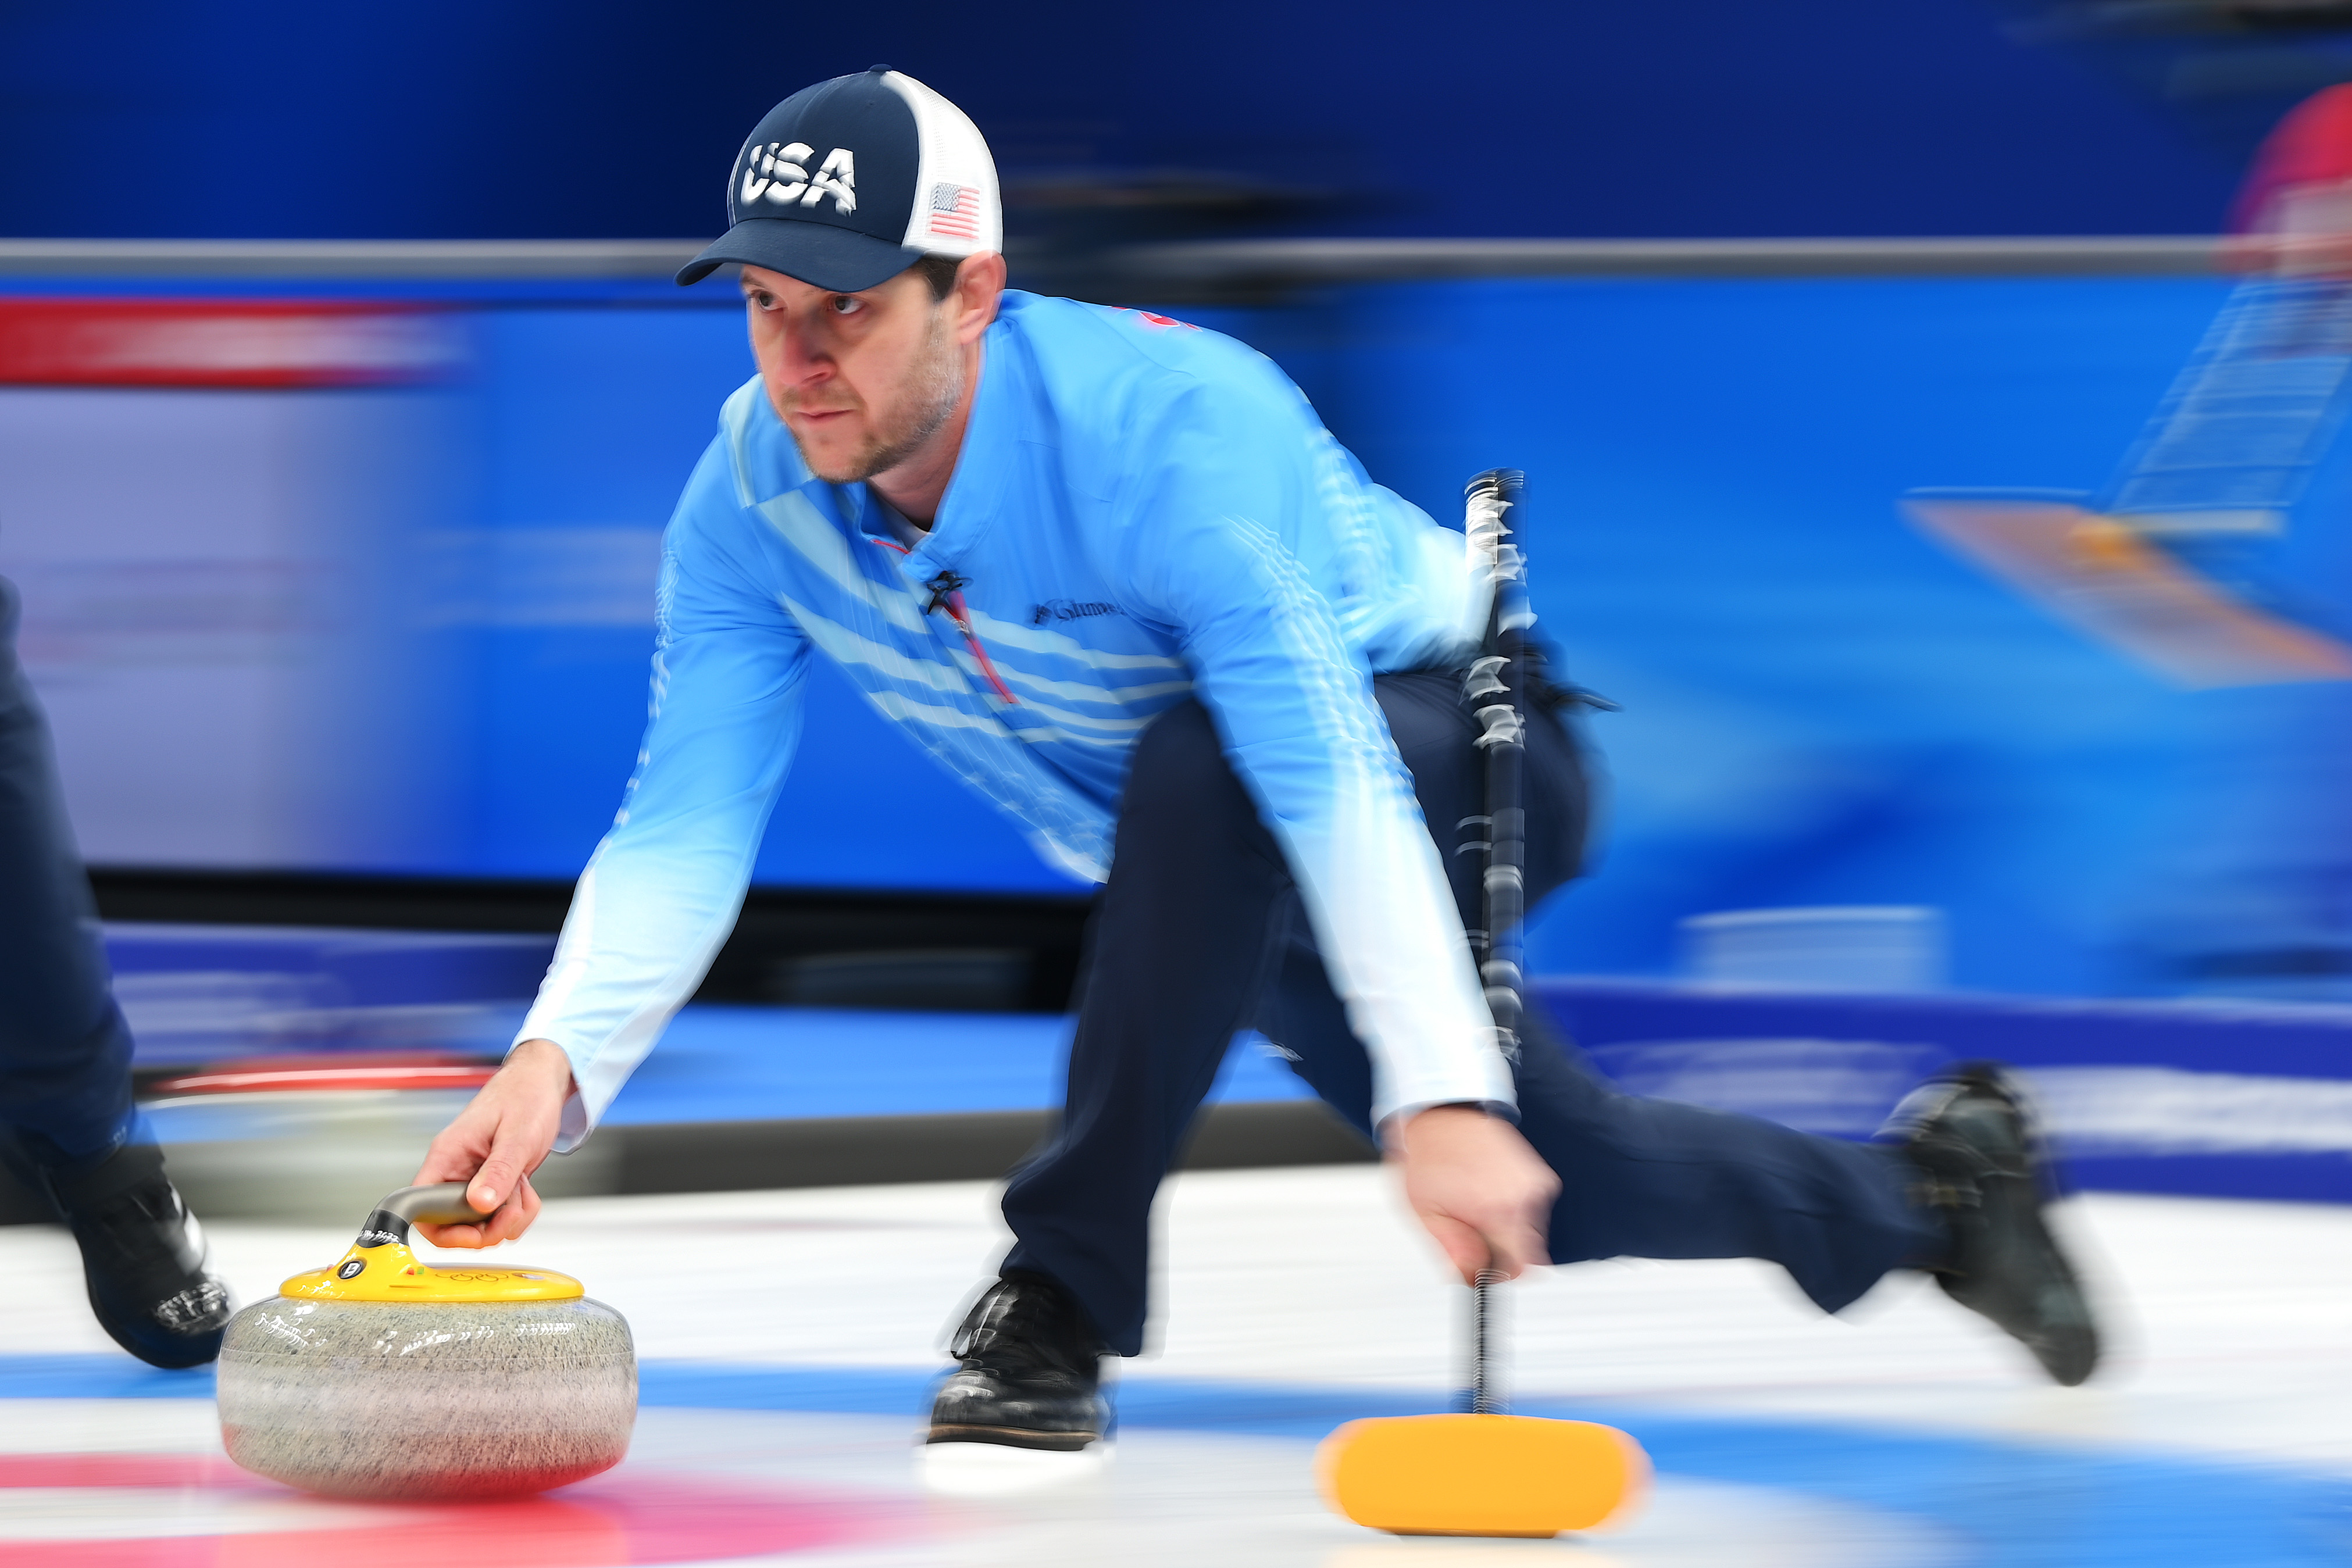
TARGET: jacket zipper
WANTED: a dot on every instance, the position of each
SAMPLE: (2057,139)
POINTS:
(947,594)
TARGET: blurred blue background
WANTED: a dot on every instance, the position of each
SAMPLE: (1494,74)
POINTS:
(1819,706)
(265,119)
(400,632)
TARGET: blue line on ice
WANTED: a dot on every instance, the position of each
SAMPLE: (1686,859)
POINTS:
(2020,1504)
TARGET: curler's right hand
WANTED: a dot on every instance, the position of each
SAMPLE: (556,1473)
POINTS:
(497,1140)
(1476,1187)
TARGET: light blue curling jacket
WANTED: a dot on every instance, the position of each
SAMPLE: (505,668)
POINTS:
(1141,510)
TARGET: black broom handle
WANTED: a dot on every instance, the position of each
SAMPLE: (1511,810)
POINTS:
(1493,692)
(1485,1395)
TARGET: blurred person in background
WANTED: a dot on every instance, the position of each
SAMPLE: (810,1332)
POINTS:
(67,1127)
(1110,570)
(2244,480)
(2217,557)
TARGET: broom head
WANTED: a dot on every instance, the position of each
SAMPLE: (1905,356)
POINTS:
(1480,1475)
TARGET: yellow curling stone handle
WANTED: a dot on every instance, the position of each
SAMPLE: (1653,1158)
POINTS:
(381,1268)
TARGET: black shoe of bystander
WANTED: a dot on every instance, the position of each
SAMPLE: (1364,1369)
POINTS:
(1980,1169)
(143,1256)
(1031,1374)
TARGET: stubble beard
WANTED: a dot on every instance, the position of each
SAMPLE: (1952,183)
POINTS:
(934,386)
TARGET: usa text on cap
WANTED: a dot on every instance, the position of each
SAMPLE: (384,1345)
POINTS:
(848,183)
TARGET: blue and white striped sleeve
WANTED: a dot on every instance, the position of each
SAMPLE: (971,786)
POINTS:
(1206,537)
(663,889)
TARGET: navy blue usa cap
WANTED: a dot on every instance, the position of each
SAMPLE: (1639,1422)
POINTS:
(848,183)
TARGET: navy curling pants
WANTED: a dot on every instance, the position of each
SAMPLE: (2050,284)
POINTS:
(1200,934)
(64,1051)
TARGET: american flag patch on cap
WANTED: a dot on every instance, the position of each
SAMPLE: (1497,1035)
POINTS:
(955,211)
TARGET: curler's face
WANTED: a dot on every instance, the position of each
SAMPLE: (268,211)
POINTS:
(861,380)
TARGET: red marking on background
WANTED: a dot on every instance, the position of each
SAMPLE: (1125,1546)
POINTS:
(275,1079)
(334,1070)
(223,343)
(612,1522)
(289,1058)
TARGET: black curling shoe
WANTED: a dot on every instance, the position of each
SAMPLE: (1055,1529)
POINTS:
(143,1256)
(1980,1168)
(1030,1375)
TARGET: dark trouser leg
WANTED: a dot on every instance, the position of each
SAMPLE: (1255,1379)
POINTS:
(1196,935)
(1643,1179)
(65,1052)
(1654,1179)
(1179,952)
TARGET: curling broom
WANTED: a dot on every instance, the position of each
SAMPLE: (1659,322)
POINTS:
(1483,1472)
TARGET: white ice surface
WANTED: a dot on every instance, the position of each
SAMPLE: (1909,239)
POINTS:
(2232,1323)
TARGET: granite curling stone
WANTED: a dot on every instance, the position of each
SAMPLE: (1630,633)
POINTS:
(385,1378)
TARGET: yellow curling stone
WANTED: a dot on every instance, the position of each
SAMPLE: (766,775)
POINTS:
(385,1378)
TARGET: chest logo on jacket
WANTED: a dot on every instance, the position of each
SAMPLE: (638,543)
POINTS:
(1054,610)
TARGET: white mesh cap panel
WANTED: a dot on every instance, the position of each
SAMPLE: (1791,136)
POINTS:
(957,211)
